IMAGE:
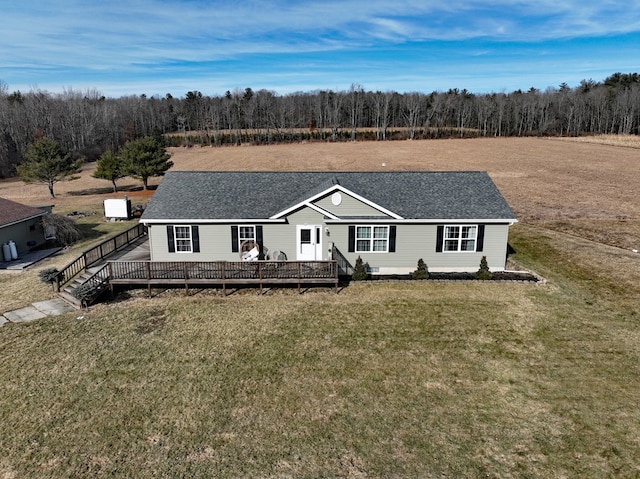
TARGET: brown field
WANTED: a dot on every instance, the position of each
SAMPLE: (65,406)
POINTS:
(584,186)
(385,379)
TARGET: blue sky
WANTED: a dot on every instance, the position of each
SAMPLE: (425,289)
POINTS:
(170,46)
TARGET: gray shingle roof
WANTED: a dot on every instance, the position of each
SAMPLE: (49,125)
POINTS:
(12,212)
(423,195)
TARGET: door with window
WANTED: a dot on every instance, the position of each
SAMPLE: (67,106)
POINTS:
(309,241)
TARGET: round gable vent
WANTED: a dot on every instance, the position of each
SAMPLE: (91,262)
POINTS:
(336,198)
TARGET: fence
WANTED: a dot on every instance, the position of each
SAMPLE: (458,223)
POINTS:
(223,273)
(98,253)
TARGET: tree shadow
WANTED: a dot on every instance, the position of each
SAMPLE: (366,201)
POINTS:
(90,231)
(109,190)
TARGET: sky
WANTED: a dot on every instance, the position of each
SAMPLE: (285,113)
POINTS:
(154,47)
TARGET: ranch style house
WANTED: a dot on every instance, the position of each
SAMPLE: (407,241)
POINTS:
(389,219)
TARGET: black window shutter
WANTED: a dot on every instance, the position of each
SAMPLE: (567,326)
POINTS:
(439,238)
(234,239)
(170,242)
(259,238)
(352,239)
(480,241)
(392,239)
(195,238)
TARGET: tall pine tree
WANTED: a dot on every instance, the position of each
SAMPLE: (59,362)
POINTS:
(144,158)
(47,163)
(109,167)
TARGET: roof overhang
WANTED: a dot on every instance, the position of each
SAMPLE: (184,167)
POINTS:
(22,220)
(509,221)
(202,221)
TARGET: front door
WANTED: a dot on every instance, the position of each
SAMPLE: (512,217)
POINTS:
(309,241)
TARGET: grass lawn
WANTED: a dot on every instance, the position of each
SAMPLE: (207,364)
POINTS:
(21,288)
(414,379)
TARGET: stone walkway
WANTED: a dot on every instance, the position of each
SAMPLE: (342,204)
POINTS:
(138,250)
(38,310)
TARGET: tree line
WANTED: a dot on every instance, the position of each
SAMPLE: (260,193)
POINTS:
(87,123)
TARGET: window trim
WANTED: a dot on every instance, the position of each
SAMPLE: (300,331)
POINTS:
(459,238)
(371,239)
(176,239)
(241,239)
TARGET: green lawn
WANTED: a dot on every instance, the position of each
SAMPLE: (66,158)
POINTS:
(415,379)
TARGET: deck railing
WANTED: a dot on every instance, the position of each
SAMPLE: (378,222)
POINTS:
(89,291)
(98,253)
(223,272)
(344,267)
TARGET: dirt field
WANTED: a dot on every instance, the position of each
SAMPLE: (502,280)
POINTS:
(588,187)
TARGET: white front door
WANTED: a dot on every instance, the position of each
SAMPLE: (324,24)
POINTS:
(309,241)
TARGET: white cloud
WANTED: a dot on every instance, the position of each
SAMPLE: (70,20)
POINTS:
(99,41)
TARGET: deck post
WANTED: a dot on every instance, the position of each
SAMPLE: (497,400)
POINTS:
(224,285)
(148,273)
(186,278)
(110,276)
(299,275)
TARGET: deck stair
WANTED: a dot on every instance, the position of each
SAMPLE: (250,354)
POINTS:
(68,291)
(90,267)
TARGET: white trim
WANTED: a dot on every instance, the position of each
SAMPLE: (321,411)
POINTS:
(336,220)
(201,221)
(176,239)
(446,222)
(315,234)
(322,211)
(371,239)
(459,239)
(241,240)
(335,188)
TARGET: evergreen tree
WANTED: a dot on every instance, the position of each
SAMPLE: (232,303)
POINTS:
(109,167)
(359,270)
(484,272)
(422,272)
(47,163)
(144,158)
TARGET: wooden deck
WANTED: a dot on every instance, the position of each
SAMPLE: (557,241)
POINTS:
(222,273)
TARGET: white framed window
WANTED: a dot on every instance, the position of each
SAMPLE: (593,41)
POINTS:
(372,239)
(246,233)
(460,238)
(183,239)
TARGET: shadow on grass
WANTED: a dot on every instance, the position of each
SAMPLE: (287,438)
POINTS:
(90,231)
(93,230)
(107,190)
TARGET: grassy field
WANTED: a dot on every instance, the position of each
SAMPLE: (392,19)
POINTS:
(398,379)
(395,379)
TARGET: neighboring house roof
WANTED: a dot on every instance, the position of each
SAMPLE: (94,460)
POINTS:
(12,212)
(199,195)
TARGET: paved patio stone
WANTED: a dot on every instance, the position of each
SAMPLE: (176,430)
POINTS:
(53,307)
(24,315)
(2,320)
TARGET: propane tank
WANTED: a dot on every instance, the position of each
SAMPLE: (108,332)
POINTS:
(6,252)
(13,249)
